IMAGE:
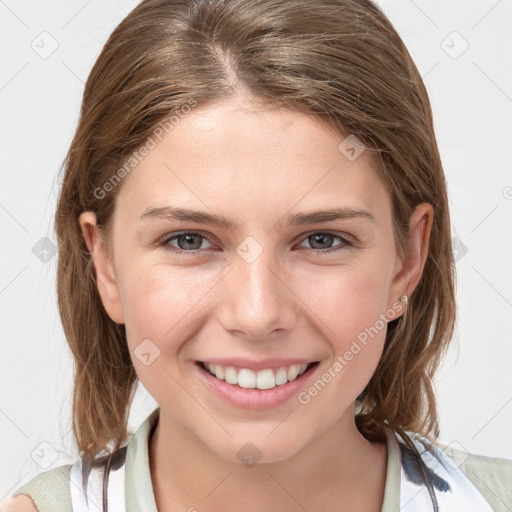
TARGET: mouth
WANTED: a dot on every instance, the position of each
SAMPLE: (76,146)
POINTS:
(255,390)
(264,379)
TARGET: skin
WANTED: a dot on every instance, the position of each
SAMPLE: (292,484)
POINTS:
(19,503)
(255,167)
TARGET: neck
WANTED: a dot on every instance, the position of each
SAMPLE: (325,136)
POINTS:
(339,471)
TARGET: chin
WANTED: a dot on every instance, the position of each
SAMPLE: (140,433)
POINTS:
(257,446)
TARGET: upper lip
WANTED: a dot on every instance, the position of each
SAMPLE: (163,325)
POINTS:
(252,364)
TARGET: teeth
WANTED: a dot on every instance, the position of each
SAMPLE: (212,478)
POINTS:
(262,379)
(246,378)
(231,375)
(281,376)
(265,379)
(293,372)
(219,371)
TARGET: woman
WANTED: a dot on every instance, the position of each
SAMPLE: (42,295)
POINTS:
(220,145)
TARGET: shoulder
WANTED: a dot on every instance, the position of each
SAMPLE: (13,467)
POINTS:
(492,476)
(47,491)
(20,503)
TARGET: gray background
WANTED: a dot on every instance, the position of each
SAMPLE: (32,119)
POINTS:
(463,51)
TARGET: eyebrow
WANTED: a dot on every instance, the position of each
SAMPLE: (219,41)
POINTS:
(296,219)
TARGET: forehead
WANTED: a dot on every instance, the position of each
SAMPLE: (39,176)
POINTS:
(233,154)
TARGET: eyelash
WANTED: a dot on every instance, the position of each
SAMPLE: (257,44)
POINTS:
(347,244)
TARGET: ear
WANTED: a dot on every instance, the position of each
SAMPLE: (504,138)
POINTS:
(105,276)
(408,270)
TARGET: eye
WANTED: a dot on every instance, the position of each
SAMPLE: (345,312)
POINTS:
(321,242)
(187,242)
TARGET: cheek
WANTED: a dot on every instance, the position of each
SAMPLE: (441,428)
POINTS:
(160,303)
(346,299)
(349,304)
(160,308)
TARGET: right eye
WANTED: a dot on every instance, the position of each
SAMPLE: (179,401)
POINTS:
(188,242)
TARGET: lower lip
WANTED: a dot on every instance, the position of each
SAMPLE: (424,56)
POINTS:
(255,399)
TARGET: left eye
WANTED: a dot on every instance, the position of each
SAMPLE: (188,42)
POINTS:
(190,242)
(322,238)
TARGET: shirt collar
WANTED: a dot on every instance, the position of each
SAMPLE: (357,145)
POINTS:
(138,486)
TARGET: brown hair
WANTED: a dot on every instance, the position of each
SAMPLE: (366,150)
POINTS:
(340,60)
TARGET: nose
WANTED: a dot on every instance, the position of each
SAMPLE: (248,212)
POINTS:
(258,300)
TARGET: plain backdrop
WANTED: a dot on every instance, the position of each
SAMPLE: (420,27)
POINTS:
(462,49)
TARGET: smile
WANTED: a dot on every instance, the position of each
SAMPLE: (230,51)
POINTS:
(263,379)
(255,385)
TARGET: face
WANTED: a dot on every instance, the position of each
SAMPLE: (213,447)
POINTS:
(266,287)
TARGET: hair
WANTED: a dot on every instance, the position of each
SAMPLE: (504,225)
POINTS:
(338,60)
